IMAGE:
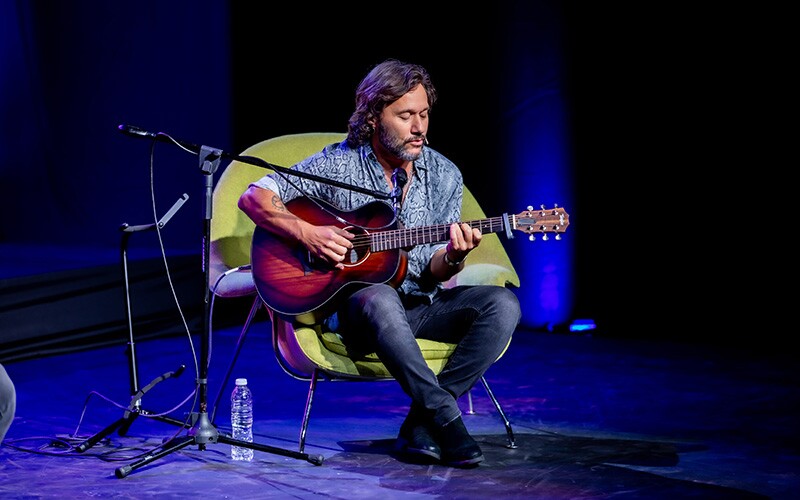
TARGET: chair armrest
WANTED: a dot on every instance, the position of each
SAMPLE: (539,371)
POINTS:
(484,274)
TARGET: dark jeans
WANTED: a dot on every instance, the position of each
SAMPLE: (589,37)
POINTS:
(480,319)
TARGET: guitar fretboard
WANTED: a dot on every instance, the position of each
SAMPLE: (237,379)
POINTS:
(403,238)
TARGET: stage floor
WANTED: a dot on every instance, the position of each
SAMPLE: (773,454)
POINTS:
(592,418)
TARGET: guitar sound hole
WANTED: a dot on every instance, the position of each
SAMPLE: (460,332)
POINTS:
(361,247)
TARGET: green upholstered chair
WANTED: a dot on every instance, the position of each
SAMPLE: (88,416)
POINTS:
(310,352)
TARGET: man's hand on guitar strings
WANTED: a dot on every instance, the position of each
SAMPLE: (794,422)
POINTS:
(330,243)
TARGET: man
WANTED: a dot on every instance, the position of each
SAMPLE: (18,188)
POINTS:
(386,139)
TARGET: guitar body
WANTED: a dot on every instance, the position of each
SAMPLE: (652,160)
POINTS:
(293,283)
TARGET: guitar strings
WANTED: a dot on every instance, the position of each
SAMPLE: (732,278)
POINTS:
(438,231)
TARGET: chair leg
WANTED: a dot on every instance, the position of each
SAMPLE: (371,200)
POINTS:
(509,432)
(307,412)
(470,408)
(239,343)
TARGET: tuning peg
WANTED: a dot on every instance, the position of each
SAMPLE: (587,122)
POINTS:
(544,237)
(558,236)
(531,238)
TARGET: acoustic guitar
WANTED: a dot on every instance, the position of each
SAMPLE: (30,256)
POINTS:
(295,283)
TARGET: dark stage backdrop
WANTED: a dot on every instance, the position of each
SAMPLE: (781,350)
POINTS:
(610,112)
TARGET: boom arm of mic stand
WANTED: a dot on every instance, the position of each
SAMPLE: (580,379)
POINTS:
(134,131)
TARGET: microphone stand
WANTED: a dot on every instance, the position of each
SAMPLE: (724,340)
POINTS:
(203,431)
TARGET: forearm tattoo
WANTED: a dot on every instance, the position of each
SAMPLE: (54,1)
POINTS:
(278,204)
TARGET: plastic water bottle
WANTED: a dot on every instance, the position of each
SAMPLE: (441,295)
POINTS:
(242,420)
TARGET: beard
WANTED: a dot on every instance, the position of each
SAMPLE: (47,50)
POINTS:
(396,145)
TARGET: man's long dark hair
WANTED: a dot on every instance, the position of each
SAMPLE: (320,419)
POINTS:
(384,84)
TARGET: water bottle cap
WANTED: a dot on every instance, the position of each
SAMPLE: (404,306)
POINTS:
(241,381)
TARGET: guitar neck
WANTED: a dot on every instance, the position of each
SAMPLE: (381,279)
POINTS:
(409,237)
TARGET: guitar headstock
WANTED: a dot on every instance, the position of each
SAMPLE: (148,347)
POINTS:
(544,220)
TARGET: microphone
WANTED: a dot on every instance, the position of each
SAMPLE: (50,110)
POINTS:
(399,179)
(136,131)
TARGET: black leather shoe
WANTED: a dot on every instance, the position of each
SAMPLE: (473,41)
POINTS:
(416,440)
(458,447)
